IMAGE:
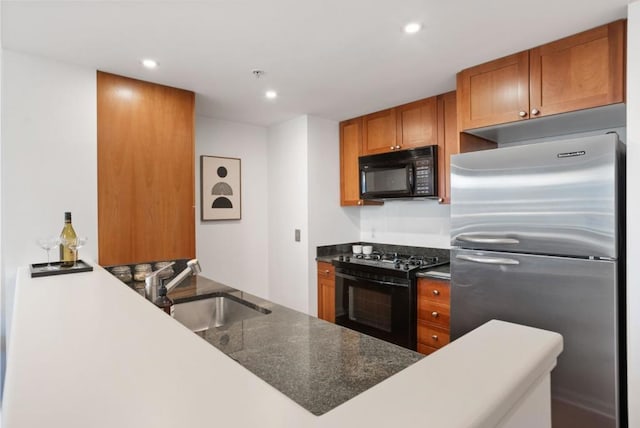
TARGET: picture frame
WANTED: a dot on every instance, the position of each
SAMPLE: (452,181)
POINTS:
(220,188)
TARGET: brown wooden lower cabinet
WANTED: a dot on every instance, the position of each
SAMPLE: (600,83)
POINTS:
(326,292)
(431,335)
(433,314)
(424,349)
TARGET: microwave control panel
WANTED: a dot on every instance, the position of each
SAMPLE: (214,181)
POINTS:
(424,177)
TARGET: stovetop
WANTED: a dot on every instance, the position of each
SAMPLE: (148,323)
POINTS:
(394,261)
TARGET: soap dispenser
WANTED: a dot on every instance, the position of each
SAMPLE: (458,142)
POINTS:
(163,301)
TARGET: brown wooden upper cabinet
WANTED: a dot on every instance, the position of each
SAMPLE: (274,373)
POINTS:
(578,72)
(407,126)
(350,150)
(379,132)
(146,197)
(448,142)
(417,124)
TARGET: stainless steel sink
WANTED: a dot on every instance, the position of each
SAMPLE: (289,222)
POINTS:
(216,311)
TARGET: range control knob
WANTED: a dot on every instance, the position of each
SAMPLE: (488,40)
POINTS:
(341,258)
(347,258)
(406,266)
(397,265)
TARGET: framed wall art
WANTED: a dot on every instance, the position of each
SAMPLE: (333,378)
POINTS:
(220,191)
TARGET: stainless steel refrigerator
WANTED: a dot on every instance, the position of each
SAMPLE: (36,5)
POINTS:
(538,239)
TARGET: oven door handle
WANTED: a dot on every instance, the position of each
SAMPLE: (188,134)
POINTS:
(376,281)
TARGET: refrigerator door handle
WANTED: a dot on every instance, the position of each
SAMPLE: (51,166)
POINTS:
(488,260)
(476,240)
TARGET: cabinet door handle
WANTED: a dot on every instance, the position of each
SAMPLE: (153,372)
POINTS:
(436,292)
(435,337)
(522,113)
(326,271)
(392,147)
(535,112)
(435,314)
(397,147)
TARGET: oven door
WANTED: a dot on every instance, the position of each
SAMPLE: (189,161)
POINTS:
(381,309)
(386,182)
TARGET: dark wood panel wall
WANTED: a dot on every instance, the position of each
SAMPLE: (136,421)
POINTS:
(146,196)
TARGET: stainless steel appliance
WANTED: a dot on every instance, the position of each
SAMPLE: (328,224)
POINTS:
(538,239)
(376,294)
(403,174)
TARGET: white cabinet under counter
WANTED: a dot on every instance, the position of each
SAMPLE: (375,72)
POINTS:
(86,351)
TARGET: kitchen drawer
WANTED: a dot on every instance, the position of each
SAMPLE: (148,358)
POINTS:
(434,289)
(425,349)
(431,335)
(434,312)
(326,270)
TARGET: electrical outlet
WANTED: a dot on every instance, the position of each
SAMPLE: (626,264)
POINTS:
(297,235)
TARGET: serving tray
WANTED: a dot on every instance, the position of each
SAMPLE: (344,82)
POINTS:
(39,269)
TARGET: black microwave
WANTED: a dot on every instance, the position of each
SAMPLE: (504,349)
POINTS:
(402,174)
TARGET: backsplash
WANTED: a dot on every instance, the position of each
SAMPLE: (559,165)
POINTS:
(416,223)
(180,265)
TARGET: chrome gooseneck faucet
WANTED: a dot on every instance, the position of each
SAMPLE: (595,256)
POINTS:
(152,283)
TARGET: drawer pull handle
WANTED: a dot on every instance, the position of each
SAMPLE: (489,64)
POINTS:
(435,314)
(326,271)
(435,337)
(436,292)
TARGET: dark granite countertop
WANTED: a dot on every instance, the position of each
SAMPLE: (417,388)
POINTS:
(317,364)
(328,259)
(438,272)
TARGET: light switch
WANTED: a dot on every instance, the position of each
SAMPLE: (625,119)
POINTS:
(297,235)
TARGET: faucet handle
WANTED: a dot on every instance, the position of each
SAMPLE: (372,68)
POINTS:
(156,272)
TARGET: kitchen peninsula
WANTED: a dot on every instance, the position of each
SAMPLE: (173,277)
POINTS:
(88,351)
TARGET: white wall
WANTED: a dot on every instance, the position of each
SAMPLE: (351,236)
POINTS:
(49,159)
(235,252)
(633,211)
(328,222)
(3,342)
(417,223)
(287,211)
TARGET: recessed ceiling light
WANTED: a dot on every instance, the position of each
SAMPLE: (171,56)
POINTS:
(271,94)
(412,27)
(149,63)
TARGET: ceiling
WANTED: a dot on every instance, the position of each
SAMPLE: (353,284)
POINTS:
(330,58)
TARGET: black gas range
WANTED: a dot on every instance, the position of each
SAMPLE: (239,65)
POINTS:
(376,293)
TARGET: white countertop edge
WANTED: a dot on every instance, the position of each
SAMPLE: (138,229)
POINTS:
(87,351)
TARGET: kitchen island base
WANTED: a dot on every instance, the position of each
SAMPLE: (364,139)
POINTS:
(86,350)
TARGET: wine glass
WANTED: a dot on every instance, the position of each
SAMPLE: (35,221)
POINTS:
(75,245)
(49,243)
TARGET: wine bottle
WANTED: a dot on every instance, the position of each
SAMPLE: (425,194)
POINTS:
(67,235)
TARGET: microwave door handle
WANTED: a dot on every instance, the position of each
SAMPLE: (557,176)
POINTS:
(411,179)
(488,260)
